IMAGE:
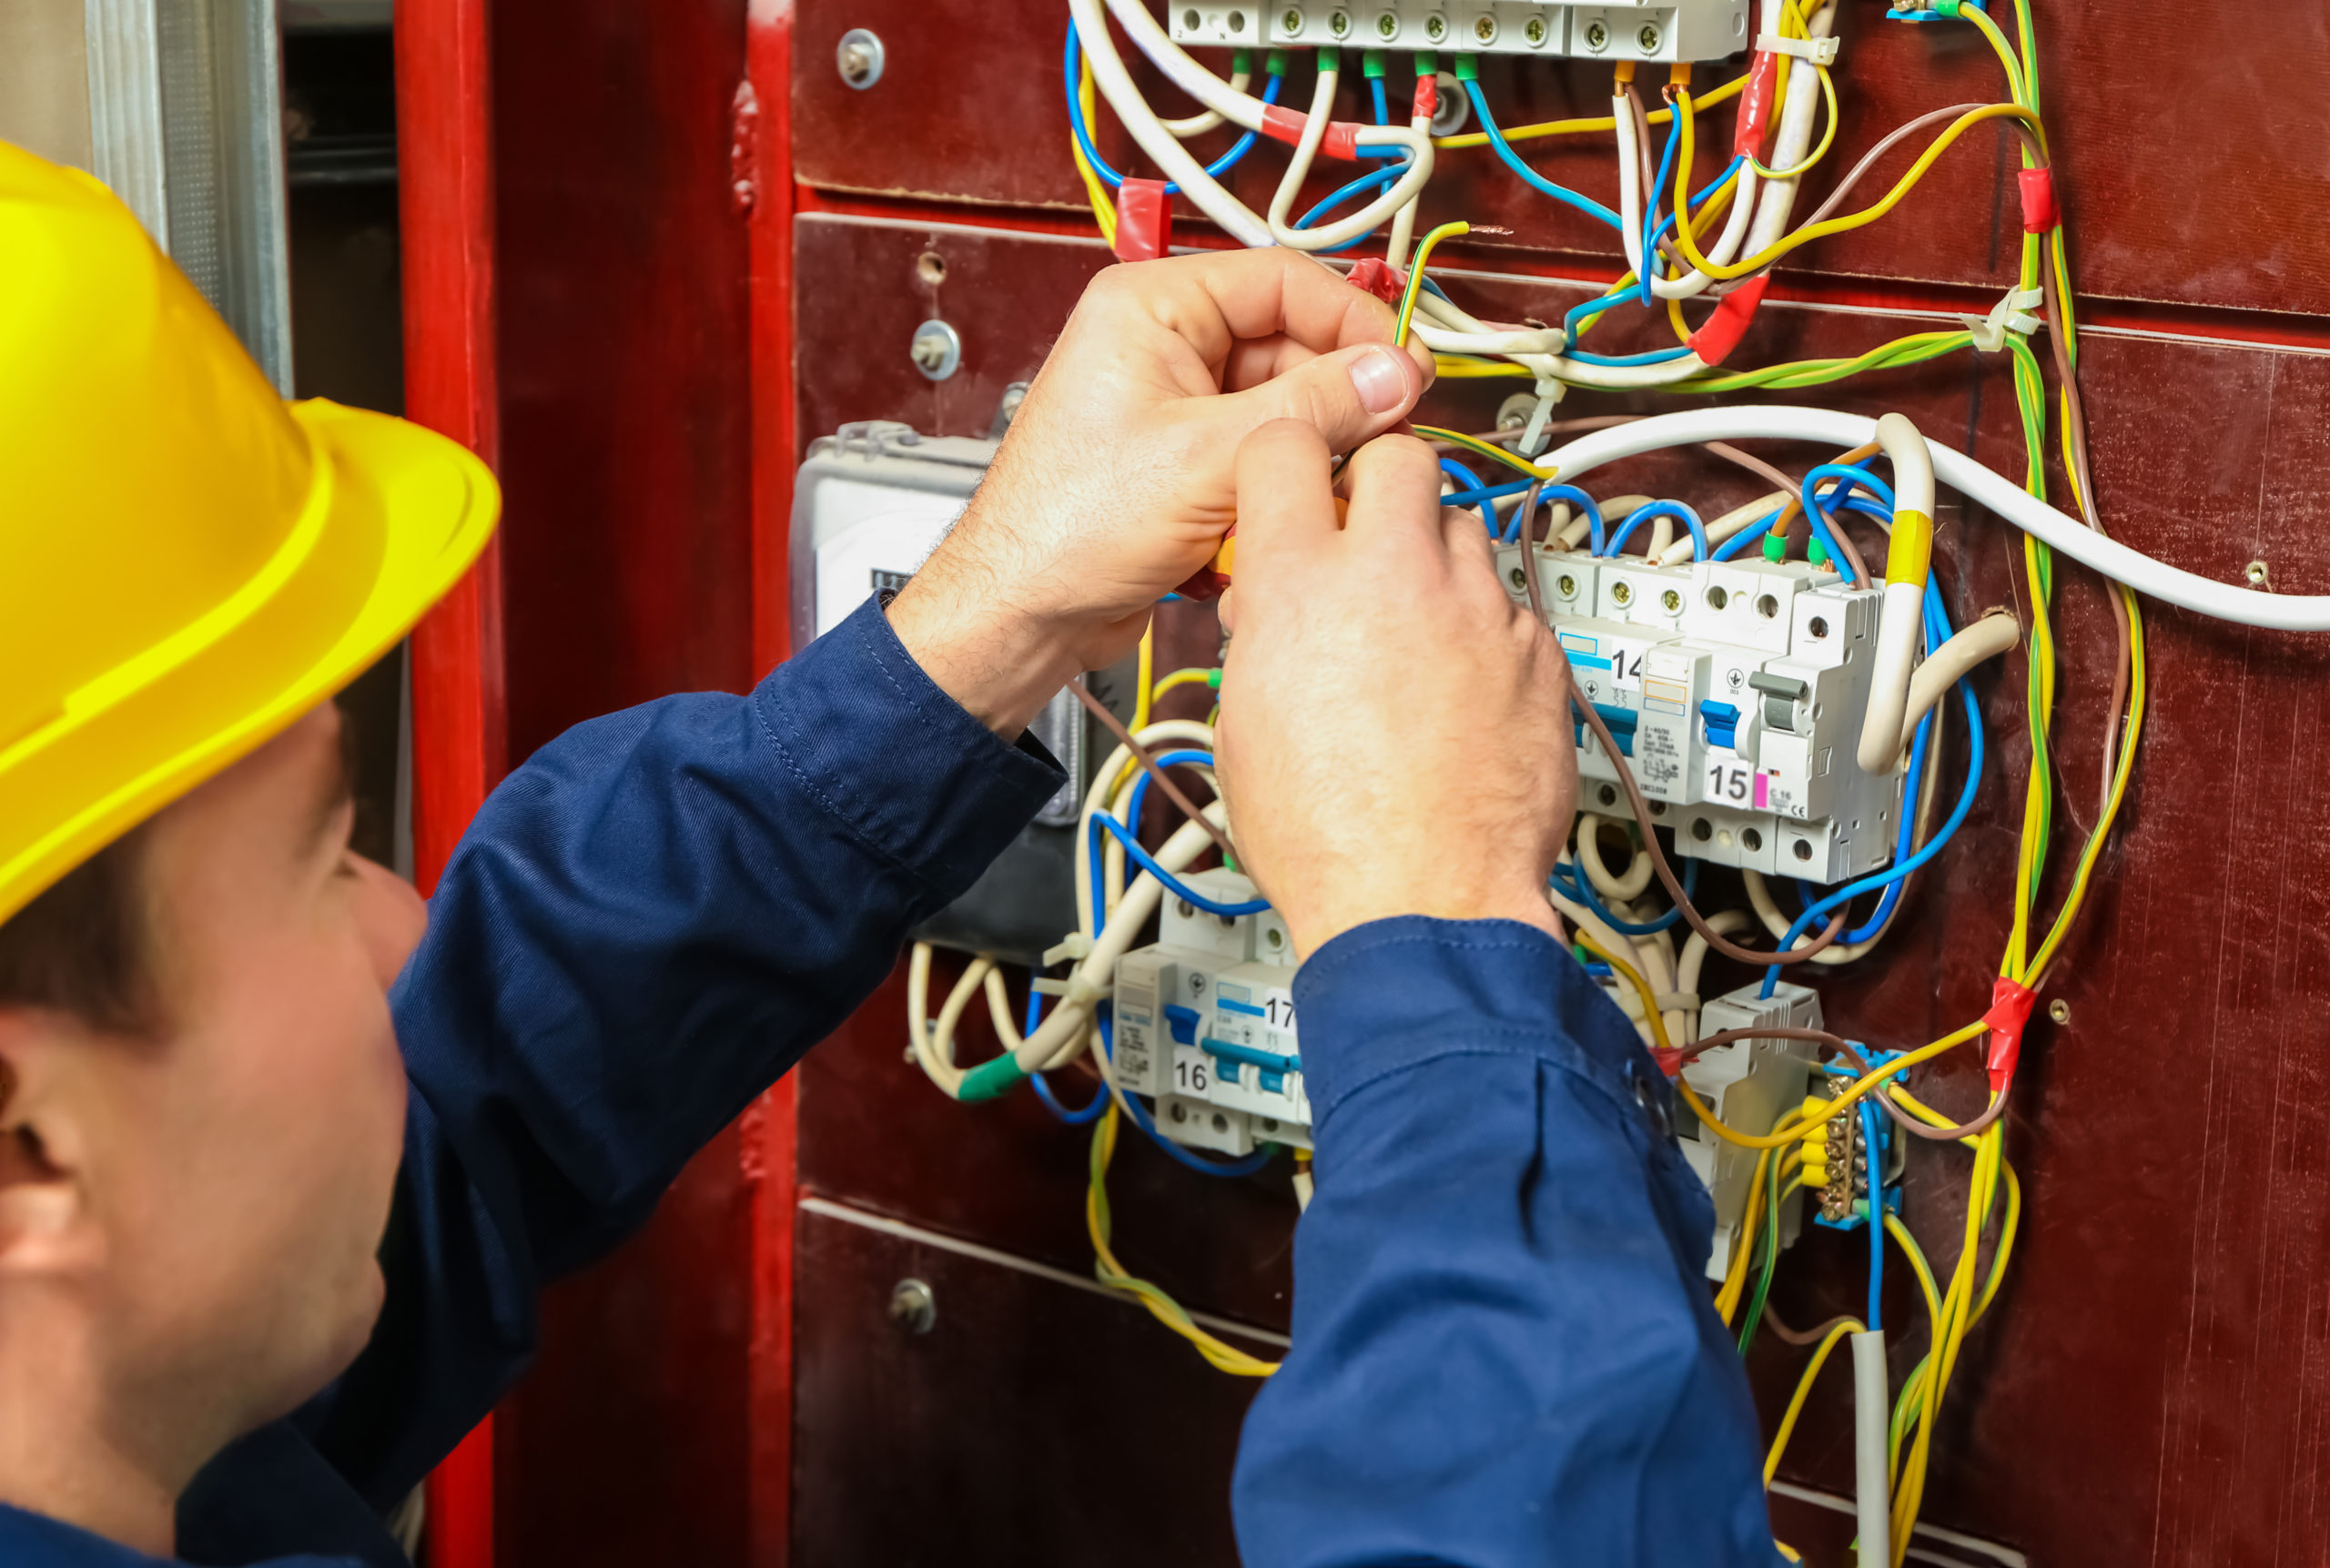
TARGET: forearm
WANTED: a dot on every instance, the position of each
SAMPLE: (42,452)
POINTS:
(1503,1349)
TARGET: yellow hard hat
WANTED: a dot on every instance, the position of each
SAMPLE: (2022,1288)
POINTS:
(187,564)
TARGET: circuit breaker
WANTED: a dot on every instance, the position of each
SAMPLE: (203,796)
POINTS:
(1737,690)
(1679,30)
(1205,1024)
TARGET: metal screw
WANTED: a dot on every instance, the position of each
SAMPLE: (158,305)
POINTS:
(1648,37)
(1338,23)
(2060,1010)
(1513,414)
(912,1307)
(937,350)
(1535,31)
(1520,581)
(1597,36)
(859,59)
(2258,576)
(1387,25)
(1485,29)
(1436,29)
(1672,601)
(1184,908)
(1290,24)
(1567,585)
(1274,936)
(1620,593)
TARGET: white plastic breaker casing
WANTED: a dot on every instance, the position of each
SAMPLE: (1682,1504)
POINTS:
(1676,30)
(1741,686)
(1750,1085)
(1205,1024)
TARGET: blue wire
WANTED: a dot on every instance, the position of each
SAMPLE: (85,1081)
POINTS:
(1383,105)
(1246,1167)
(1757,529)
(1173,884)
(1586,205)
(1572,322)
(1140,784)
(1656,357)
(1846,479)
(1730,172)
(1582,886)
(1043,1089)
(1109,176)
(1650,208)
(1490,492)
(1876,1214)
(1365,183)
(1472,485)
(1674,509)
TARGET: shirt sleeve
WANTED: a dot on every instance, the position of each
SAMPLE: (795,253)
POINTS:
(1504,1349)
(646,924)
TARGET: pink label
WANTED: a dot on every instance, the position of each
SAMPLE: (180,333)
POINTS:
(1763,792)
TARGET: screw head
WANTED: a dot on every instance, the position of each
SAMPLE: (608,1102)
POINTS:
(2259,577)
(1597,36)
(1622,593)
(1387,25)
(912,1307)
(1290,22)
(1671,600)
(858,57)
(1520,582)
(1648,37)
(936,350)
(1485,29)
(1436,29)
(2060,1010)
(1567,585)
(1535,31)
(1339,24)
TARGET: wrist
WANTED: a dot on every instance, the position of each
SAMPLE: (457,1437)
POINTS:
(1313,927)
(999,666)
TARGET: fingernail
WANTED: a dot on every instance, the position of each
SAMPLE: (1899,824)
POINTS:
(1382,386)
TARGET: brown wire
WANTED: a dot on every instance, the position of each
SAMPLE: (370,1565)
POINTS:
(1950,1133)
(1771,1321)
(1716,940)
(1838,1043)
(1148,764)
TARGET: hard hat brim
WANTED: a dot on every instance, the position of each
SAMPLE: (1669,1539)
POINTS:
(396,514)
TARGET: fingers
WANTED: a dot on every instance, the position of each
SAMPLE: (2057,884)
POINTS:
(1394,488)
(1219,298)
(1286,500)
(1348,395)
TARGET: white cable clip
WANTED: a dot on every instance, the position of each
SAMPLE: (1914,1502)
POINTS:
(1082,993)
(1678,1002)
(1075,947)
(2010,314)
(1534,439)
(1820,51)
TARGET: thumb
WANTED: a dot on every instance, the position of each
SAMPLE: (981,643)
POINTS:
(1348,397)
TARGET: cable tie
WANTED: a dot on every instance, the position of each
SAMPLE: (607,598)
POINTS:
(2010,314)
(1533,436)
(1046,986)
(1083,992)
(1074,947)
(2010,1011)
(1820,51)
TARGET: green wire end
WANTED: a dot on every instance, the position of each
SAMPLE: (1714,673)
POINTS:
(1427,63)
(1371,63)
(991,1080)
(1774,547)
(1468,67)
(1275,62)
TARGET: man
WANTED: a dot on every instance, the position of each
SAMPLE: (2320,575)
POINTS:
(285,1158)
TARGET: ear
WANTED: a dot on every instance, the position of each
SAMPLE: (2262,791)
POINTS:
(48,1228)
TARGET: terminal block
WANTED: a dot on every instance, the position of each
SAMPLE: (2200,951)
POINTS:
(1205,1024)
(1678,30)
(1838,1158)
(1750,1085)
(1735,690)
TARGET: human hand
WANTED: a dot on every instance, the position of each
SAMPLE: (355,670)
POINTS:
(1394,734)
(1117,479)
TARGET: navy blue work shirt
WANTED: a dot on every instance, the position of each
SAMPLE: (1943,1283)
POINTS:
(1503,1350)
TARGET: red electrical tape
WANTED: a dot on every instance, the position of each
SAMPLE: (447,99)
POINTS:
(2040,213)
(1284,125)
(1714,341)
(1379,278)
(1144,220)
(1755,106)
(1427,97)
(2010,1011)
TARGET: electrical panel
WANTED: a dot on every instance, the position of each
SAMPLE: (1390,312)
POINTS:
(1737,690)
(1683,30)
(1205,1024)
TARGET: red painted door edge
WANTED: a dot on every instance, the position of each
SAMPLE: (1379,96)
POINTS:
(771,1172)
(459,737)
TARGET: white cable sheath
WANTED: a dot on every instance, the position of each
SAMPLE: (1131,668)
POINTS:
(1793,137)
(1198,124)
(1163,148)
(2066,536)
(1871,1479)
(1900,624)
(1630,209)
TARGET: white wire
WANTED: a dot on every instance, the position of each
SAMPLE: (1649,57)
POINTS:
(1406,190)
(1452,329)
(1198,124)
(2065,535)
(1630,206)
(1163,148)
